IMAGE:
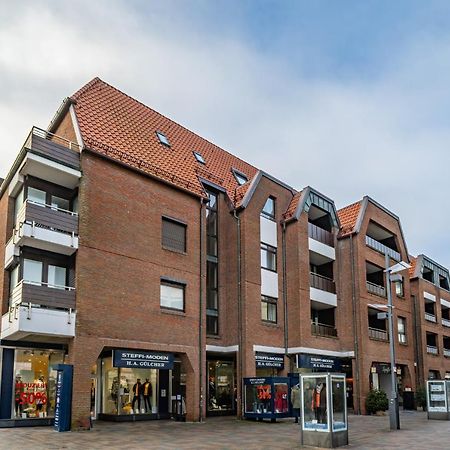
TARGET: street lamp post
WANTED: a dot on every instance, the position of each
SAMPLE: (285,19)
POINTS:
(394,414)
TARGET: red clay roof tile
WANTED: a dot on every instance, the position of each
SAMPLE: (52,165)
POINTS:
(348,217)
(118,126)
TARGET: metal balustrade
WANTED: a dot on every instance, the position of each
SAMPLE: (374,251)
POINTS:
(379,335)
(320,329)
(323,283)
(321,235)
(384,249)
(376,289)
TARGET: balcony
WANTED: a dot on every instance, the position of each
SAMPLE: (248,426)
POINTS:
(320,329)
(376,289)
(432,350)
(45,227)
(39,310)
(323,283)
(48,157)
(381,248)
(321,235)
(446,322)
(430,317)
(447,352)
(378,335)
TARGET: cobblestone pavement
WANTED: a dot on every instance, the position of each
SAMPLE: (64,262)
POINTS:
(228,433)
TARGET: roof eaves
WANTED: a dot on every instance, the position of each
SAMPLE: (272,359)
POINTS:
(60,113)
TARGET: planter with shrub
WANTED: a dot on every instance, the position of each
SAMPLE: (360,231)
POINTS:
(376,402)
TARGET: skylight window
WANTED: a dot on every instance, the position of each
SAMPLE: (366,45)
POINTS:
(199,157)
(240,177)
(163,138)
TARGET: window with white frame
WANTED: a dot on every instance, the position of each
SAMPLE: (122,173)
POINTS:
(172,295)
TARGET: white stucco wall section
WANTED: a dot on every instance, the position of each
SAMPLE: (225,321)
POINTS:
(322,249)
(268,231)
(323,296)
(269,283)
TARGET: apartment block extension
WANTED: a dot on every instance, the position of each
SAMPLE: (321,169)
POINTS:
(166,269)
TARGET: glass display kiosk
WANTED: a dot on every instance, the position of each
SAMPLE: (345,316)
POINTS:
(266,398)
(438,399)
(324,410)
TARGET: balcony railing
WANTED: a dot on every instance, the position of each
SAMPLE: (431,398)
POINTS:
(323,283)
(447,352)
(43,295)
(376,289)
(320,329)
(432,350)
(54,147)
(379,247)
(48,216)
(445,322)
(379,335)
(321,235)
(430,317)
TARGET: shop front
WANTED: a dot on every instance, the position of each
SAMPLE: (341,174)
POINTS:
(222,389)
(28,384)
(133,385)
(380,378)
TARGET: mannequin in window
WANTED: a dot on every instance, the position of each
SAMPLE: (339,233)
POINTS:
(147,393)
(319,401)
(137,391)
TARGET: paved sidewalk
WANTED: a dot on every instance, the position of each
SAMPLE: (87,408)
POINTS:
(228,433)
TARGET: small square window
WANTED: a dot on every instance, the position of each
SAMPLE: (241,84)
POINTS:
(163,138)
(199,157)
(173,235)
(241,178)
(172,295)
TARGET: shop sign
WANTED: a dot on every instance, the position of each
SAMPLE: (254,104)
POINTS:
(142,360)
(317,362)
(255,381)
(264,360)
(383,368)
(63,397)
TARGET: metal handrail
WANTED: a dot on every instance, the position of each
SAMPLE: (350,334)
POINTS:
(321,235)
(323,283)
(447,352)
(54,137)
(41,283)
(376,289)
(322,329)
(45,205)
(446,322)
(432,349)
(376,333)
(430,317)
(379,247)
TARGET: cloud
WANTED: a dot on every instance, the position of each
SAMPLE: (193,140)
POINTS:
(384,135)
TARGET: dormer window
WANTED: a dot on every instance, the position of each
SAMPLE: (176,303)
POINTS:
(199,157)
(240,177)
(163,138)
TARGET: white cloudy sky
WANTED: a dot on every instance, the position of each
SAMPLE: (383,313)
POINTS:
(350,97)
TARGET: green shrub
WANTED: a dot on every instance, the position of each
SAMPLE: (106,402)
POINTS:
(421,397)
(376,401)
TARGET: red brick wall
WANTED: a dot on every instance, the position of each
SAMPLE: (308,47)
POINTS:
(371,351)
(119,264)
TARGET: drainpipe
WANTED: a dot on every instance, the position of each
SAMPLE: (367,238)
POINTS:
(239,308)
(355,331)
(200,327)
(283,244)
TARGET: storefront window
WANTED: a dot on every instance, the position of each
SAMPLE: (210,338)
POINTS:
(281,398)
(315,403)
(34,385)
(257,398)
(128,390)
(338,399)
(221,388)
